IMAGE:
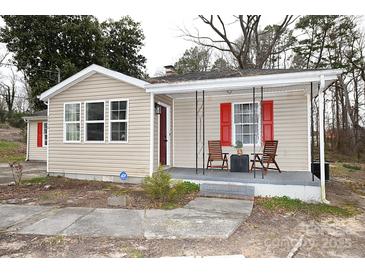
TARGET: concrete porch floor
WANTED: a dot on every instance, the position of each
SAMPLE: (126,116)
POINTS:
(296,178)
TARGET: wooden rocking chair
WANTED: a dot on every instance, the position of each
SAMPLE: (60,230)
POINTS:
(216,154)
(267,157)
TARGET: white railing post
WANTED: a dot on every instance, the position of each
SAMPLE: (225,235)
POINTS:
(321,139)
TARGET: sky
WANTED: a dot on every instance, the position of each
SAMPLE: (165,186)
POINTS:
(164,43)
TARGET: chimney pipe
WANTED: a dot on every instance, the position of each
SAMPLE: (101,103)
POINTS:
(170,70)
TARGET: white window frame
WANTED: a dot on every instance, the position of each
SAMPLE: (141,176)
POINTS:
(93,121)
(125,120)
(44,134)
(258,124)
(70,122)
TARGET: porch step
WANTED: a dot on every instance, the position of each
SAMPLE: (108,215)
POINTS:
(229,191)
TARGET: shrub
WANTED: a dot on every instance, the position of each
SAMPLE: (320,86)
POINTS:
(158,186)
(181,189)
(17,171)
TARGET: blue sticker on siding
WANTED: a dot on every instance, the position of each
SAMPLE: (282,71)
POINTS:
(123,176)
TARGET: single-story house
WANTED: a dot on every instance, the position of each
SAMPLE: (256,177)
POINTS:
(105,125)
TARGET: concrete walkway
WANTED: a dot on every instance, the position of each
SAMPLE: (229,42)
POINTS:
(200,219)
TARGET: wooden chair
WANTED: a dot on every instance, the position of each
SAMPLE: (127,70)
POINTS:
(267,157)
(216,154)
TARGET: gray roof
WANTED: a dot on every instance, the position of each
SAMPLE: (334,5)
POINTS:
(215,74)
(41,113)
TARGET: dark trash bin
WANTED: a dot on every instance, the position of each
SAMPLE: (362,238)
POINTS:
(316,170)
(240,163)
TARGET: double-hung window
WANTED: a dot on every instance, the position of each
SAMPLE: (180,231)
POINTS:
(246,123)
(118,120)
(45,134)
(94,121)
(72,122)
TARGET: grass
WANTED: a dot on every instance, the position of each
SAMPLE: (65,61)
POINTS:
(286,205)
(35,181)
(55,195)
(132,252)
(55,240)
(116,190)
(11,152)
(352,167)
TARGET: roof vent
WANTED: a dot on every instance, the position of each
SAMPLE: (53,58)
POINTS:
(170,70)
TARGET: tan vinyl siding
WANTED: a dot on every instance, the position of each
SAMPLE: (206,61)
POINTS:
(290,126)
(101,158)
(35,153)
(168,101)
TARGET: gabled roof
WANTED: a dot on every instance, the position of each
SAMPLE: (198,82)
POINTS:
(38,115)
(219,74)
(83,74)
(275,78)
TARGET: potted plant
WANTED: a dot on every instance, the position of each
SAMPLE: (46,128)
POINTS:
(238,146)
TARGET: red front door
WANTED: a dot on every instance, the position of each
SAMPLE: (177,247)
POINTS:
(163,136)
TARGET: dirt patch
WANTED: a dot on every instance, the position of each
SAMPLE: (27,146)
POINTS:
(60,191)
(12,134)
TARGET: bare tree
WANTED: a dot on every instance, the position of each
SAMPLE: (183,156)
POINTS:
(248,51)
(8,90)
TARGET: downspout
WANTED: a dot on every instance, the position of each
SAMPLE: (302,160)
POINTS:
(321,139)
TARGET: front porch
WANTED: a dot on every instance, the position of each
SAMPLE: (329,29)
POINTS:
(294,184)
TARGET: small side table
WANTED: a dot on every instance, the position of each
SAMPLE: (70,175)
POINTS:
(240,163)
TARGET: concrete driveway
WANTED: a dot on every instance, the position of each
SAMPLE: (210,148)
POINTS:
(202,218)
(30,170)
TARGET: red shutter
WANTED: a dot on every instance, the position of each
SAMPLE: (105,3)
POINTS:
(267,120)
(226,127)
(39,134)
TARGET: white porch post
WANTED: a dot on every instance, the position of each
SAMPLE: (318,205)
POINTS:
(321,139)
(152,116)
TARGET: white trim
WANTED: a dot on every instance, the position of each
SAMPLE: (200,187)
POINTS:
(168,133)
(93,122)
(152,114)
(234,83)
(259,124)
(248,93)
(75,122)
(83,74)
(28,140)
(321,139)
(309,138)
(126,120)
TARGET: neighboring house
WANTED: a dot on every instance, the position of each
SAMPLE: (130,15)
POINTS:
(37,136)
(102,122)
